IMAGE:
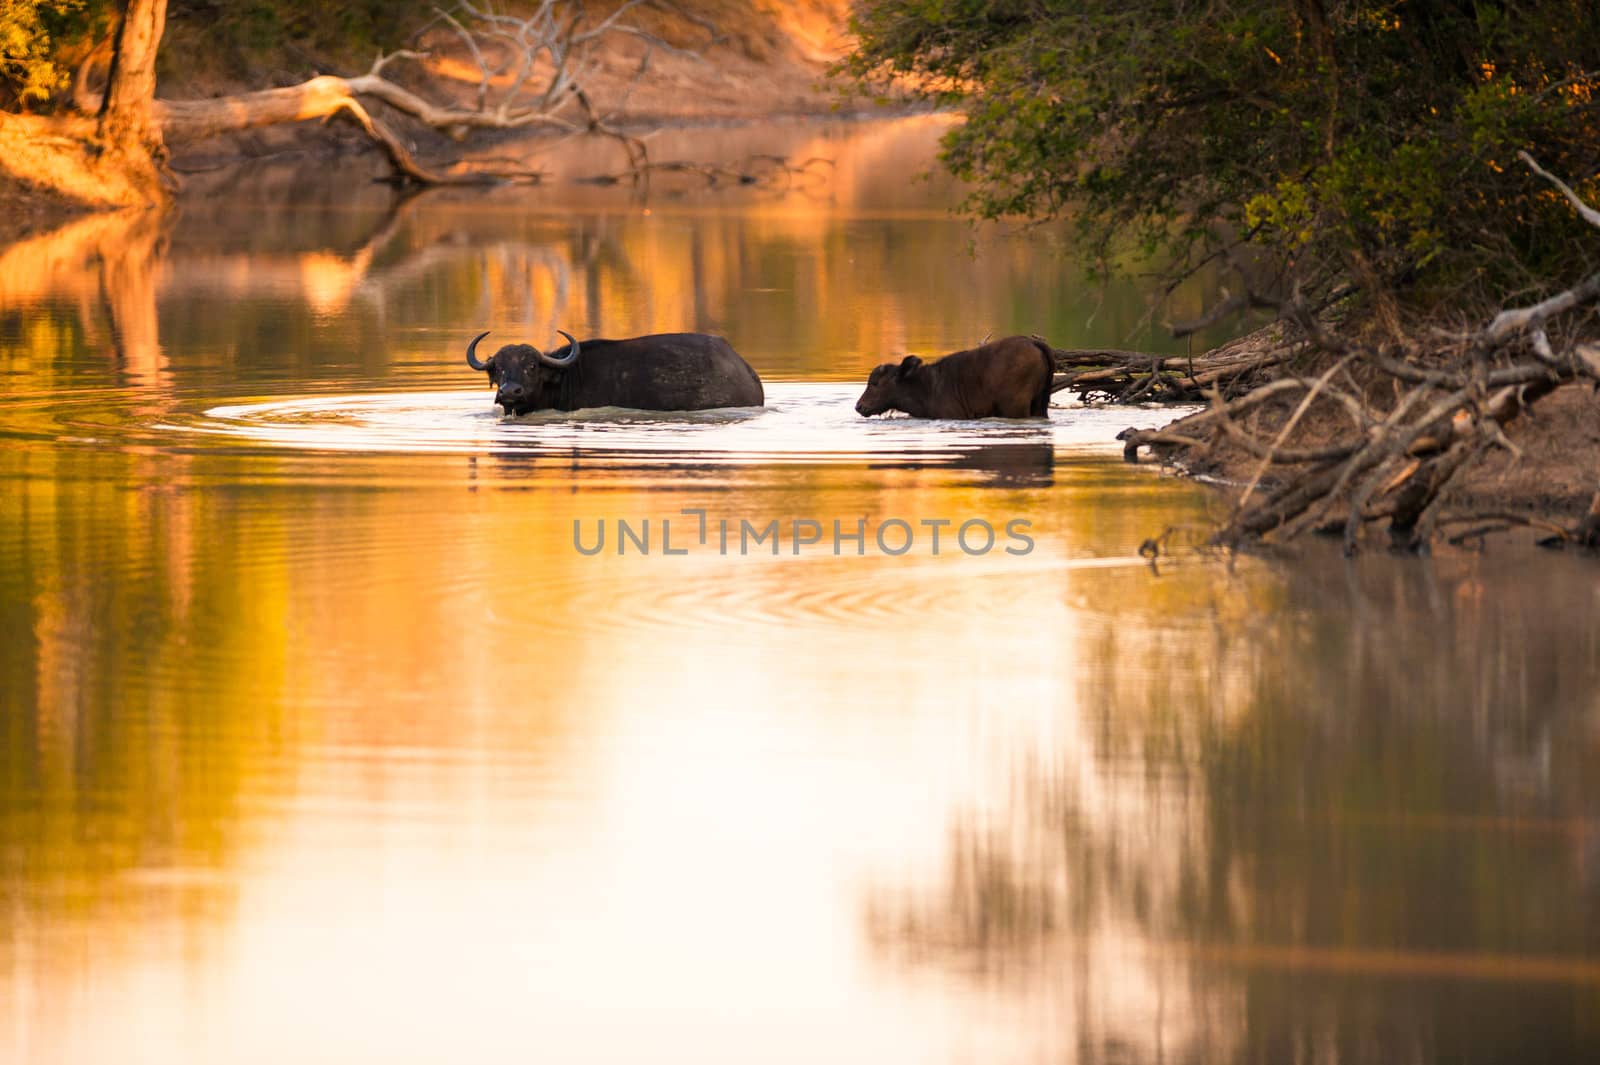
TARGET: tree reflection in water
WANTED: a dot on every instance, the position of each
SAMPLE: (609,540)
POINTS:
(1285,813)
(1344,818)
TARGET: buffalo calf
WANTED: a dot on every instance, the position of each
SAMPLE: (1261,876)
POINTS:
(1009,378)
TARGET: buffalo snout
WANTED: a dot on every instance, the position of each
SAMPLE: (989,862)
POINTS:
(510,394)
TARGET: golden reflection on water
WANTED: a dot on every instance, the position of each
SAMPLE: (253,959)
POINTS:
(365,283)
(392,753)
(346,756)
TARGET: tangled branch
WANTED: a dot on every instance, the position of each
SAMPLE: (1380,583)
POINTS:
(1135,376)
(1419,414)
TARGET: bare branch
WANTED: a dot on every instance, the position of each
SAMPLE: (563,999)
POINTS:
(384,60)
(532,72)
(1587,213)
(1294,419)
(1454,395)
(477,54)
(1507,323)
(1228,307)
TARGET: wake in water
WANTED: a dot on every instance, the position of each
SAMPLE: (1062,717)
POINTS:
(802,422)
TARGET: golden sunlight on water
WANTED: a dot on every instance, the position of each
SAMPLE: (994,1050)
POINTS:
(324,738)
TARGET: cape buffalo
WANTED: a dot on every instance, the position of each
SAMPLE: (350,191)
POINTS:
(671,371)
(1009,378)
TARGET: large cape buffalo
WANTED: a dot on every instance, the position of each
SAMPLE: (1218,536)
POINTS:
(1009,378)
(671,371)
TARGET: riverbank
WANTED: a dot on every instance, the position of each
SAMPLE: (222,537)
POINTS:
(30,209)
(712,62)
(1550,477)
(49,175)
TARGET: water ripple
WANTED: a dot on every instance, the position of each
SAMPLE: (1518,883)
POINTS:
(802,422)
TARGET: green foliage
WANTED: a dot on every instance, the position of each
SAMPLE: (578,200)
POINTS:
(231,40)
(262,32)
(1373,139)
(28,67)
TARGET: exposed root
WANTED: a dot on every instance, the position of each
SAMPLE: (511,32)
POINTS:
(1490,521)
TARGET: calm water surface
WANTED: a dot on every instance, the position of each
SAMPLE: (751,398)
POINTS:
(320,741)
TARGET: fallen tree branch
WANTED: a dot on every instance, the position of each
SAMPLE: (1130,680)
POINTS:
(1133,439)
(1288,427)
(1129,376)
(556,38)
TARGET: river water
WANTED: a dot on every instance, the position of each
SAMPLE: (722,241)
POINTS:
(330,735)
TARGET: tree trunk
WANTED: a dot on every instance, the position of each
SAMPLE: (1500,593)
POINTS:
(128,126)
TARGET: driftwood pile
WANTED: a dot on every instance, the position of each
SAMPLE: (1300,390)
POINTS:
(1385,427)
(1117,376)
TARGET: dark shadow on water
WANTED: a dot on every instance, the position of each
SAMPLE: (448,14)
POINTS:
(1340,813)
(997,465)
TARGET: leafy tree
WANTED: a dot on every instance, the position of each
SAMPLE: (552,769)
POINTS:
(28,64)
(1366,140)
(41,40)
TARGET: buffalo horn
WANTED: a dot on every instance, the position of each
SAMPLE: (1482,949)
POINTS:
(566,360)
(472,350)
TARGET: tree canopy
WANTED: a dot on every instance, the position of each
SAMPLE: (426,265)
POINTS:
(1365,140)
(30,68)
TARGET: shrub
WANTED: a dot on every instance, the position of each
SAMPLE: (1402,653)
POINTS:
(1372,140)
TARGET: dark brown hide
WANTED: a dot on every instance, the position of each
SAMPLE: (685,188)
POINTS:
(1008,378)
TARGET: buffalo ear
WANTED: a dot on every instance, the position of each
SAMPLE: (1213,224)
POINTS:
(908,365)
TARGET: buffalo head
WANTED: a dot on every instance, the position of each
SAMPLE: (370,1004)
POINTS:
(886,386)
(524,377)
